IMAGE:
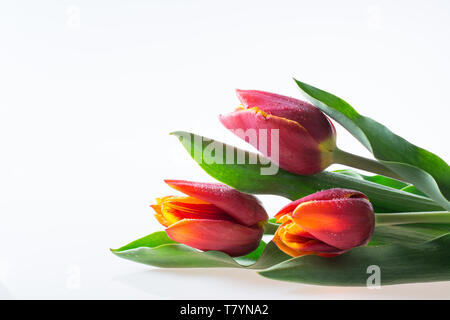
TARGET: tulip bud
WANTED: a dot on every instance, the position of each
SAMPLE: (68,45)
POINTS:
(326,223)
(212,216)
(306,137)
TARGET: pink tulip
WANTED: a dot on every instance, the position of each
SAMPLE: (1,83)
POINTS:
(306,137)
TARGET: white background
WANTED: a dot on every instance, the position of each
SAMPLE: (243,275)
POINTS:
(89,91)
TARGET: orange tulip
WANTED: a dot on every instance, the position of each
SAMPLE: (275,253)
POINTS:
(326,223)
(212,216)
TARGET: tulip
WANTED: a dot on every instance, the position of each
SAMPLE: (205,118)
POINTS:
(326,223)
(212,216)
(306,137)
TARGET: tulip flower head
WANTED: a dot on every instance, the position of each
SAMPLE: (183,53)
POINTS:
(326,223)
(306,137)
(212,216)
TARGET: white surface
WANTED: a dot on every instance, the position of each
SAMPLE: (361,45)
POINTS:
(89,91)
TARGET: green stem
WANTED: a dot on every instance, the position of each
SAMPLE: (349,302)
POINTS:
(352,160)
(389,219)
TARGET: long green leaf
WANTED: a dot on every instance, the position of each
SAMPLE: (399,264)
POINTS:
(385,181)
(425,170)
(157,249)
(410,234)
(425,262)
(247,177)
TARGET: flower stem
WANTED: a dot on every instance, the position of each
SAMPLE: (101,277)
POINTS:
(389,219)
(352,160)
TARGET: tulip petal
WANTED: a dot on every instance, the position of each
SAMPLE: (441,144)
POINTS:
(231,238)
(310,117)
(296,152)
(171,209)
(244,208)
(341,223)
(159,216)
(319,247)
(330,194)
(290,227)
(304,247)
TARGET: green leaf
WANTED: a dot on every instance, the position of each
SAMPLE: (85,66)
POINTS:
(429,173)
(398,264)
(157,249)
(350,173)
(247,177)
(385,181)
(413,189)
(271,227)
(407,234)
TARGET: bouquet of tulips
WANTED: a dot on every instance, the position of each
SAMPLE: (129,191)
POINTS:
(341,228)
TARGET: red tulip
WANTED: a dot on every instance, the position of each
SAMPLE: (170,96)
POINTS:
(212,216)
(306,137)
(326,223)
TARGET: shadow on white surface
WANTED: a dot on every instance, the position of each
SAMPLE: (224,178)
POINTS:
(245,284)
